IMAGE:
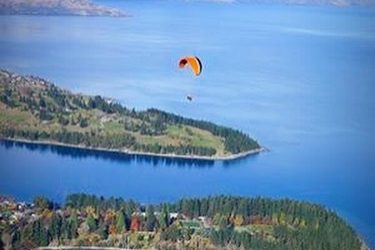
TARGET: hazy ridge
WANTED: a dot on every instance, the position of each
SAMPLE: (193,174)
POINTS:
(56,7)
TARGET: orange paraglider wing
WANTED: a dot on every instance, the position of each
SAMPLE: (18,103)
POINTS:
(194,63)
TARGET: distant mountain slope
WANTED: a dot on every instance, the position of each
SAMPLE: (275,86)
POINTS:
(56,7)
(341,3)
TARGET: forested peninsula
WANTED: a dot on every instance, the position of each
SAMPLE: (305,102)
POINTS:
(35,110)
(217,222)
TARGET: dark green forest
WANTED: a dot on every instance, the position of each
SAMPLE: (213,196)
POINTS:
(225,222)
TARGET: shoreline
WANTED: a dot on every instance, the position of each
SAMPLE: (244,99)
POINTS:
(81,247)
(137,153)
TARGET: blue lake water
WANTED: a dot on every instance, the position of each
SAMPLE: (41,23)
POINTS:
(301,80)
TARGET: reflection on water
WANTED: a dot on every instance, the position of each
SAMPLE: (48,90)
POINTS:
(80,153)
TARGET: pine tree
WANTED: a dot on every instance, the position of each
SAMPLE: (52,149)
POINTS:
(91,223)
(164,217)
(151,221)
(120,222)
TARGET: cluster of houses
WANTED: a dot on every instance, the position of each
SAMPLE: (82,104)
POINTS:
(12,212)
(135,224)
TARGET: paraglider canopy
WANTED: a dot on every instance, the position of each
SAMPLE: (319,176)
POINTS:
(194,63)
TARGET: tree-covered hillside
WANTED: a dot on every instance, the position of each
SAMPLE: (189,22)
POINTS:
(220,222)
(35,109)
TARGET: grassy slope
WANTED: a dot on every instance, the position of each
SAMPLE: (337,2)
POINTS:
(21,117)
(112,124)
